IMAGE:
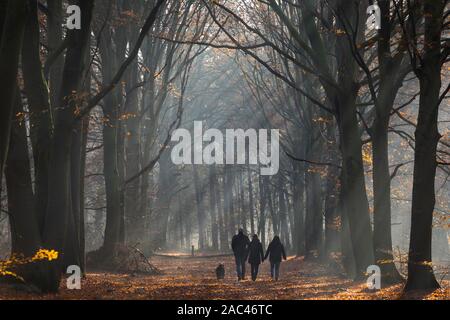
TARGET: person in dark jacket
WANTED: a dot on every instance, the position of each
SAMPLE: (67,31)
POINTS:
(277,253)
(240,244)
(255,256)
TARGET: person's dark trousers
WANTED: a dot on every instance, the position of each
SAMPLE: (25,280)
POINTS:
(240,267)
(255,268)
(275,270)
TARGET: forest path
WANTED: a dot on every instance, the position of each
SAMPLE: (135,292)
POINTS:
(194,279)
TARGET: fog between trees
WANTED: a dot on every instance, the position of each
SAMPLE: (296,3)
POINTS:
(88,116)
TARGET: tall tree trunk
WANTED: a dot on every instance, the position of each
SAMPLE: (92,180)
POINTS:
(355,197)
(331,214)
(82,233)
(59,204)
(313,218)
(213,207)
(382,203)
(299,223)
(391,79)
(188,232)
(262,209)
(270,194)
(313,214)
(251,205)
(229,207)
(146,197)
(11,43)
(72,254)
(348,258)
(420,271)
(75,253)
(40,113)
(134,218)
(223,235)
(344,101)
(242,207)
(344,104)
(200,209)
(284,232)
(121,172)
(111,125)
(25,234)
(180,224)
(162,210)
(55,35)
(111,173)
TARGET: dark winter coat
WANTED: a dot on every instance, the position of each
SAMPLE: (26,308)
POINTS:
(256,253)
(276,251)
(240,244)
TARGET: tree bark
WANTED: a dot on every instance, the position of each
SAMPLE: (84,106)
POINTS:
(262,209)
(59,200)
(348,258)
(298,190)
(11,43)
(313,218)
(331,214)
(163,203)
(55,37)
(251,200)
(355,197)
(420,271)
(41,123)
(242,205)
(228,196)
(25,234)
(223,235)
(284,231)
(391,79)
(134,217)
(200,209)
(111,173)
(111,124)
(213,207)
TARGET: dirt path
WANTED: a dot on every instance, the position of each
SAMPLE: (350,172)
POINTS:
(194,278)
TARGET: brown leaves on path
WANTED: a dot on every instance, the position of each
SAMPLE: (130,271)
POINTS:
(194,279)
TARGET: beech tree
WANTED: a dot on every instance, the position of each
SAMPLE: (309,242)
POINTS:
(427,67)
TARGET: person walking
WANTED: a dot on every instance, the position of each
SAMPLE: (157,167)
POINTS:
(277,253)
(255,256)
(240,244)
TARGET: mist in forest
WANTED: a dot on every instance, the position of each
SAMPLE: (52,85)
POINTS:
(156,129)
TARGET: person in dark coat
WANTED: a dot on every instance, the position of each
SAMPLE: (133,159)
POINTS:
(255,256)
(277,253)
(240,244)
